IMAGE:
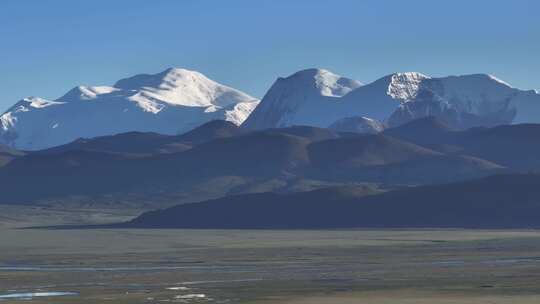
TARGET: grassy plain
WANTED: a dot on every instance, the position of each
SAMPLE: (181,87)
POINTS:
(297,267)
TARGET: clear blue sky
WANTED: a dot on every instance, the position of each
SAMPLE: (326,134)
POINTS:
(48,47)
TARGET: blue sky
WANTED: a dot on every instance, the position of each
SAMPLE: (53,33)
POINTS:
(48,47)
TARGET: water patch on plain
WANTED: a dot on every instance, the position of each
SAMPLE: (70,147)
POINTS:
(191,296)
(178,288)
(31,295)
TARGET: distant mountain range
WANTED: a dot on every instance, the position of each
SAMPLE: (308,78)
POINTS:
(320,98)
(171,102)
(177,100)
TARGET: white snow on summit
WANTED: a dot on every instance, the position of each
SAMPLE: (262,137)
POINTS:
(464,101)
(182,87)
(177,100)
(330,84)
(301,98)
(405,86)
(170,102)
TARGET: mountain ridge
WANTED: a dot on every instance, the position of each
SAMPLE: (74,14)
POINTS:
(463,101)
(171,102)
(501,201)
(219,158)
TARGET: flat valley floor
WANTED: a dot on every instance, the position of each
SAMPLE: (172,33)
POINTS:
(269,267)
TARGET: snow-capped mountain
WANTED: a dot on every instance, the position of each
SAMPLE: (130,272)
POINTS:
(170,102)
(178,100)
(302,99)
(462,101)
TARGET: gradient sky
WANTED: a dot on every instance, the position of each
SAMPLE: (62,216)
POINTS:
(48,47)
